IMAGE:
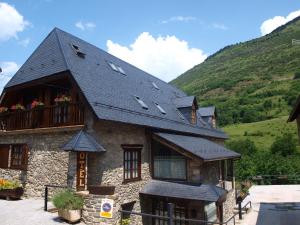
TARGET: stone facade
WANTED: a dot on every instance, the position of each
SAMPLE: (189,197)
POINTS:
(47,163)
(228,205)
(107,168)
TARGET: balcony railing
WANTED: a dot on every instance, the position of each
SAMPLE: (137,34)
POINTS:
(48,116)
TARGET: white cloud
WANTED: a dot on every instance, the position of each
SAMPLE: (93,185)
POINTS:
(85,25)
(8,70)
(179,19)
(11,22)
(24,42)
(219,26)
(165,57)
(271,24)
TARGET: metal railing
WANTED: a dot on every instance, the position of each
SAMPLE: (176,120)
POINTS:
(47,194)
(275,179)
(171,220)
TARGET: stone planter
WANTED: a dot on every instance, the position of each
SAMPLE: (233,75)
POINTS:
(71,216)
(12,193)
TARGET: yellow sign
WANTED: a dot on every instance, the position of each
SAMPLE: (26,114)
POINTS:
(107,206)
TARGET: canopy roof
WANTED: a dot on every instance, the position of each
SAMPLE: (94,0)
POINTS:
(202,192)
(200,147)
(83,142)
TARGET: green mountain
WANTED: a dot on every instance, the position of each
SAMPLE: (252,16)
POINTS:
(250,81)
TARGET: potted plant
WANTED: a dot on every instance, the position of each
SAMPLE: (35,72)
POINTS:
(69,205)
(63,99)
(17,107)
(3,110)
(10,189)
(37,104)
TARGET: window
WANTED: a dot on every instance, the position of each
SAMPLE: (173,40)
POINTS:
(160,208)
(155,86)
(113,66)
(160,108)
(180,114)
(18,156)
(143,104)
(4,156)
(121,70)
(78,51)
(167,163)
(132,162)
(13,156)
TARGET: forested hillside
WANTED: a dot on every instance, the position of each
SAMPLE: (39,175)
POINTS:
(250,81)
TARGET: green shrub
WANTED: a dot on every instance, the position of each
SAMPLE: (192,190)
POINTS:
(125,222)
(67,199)
(245,147)
(285,145)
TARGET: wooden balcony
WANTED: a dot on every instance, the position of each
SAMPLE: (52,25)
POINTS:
(48,116)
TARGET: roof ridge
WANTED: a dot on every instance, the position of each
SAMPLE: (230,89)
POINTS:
(55,30)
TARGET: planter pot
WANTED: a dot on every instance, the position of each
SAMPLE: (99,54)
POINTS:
(101,190)
(70,215)
(12,193)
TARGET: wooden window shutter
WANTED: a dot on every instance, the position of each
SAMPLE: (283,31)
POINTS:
(4,155)
(24,157)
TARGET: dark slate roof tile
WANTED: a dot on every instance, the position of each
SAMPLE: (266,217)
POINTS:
(207,111)
(202,192)
(110,93)
(83,142)
(200,147)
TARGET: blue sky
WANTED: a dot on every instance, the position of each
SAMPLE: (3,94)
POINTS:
(164,38)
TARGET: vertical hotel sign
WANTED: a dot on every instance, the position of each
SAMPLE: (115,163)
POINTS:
(81,171)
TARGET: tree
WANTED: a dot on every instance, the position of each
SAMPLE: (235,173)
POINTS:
(285,145)
(297,75)
(267,105)
(245,147)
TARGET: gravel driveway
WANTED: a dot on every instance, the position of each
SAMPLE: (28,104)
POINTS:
(27,212)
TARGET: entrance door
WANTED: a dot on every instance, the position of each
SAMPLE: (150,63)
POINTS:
(81,171)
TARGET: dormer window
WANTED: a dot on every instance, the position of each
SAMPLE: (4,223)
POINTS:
(143,104)
(78,51)
(160,108)
(180,114)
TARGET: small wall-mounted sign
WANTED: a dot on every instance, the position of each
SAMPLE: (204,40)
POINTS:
(81,171)
(107,206)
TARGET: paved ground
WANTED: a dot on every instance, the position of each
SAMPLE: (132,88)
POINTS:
(27,212)
(273,205)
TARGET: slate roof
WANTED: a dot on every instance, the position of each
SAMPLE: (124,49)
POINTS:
(83,142)
(200,147)
(183,102)
(109,93)
(296,110)
(202,192)
(207,111)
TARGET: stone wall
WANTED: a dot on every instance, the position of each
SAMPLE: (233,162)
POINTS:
(47,163)
(228,205)
(107,168)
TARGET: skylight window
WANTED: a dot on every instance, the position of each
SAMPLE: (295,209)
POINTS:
(113,66)
(180,114)
(121,70)
(143,104)
(155,86)
(160,108)
(78,51)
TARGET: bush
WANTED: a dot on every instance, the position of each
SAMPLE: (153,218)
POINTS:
(67,199)
(285,145)
(245,147)
(297,75)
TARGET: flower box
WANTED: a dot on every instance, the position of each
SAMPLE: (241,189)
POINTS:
(12,193)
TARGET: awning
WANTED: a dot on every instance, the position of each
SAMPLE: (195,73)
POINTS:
(202,192)
(199,147)
(83,142)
